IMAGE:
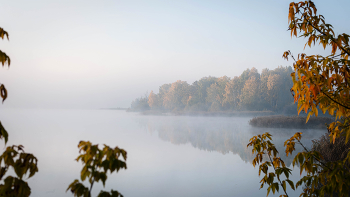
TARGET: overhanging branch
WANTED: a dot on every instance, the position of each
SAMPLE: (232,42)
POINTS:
(346,107)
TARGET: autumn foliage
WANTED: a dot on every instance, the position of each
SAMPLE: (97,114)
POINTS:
(251,91)
(25,165)
(97,163)
(318,82)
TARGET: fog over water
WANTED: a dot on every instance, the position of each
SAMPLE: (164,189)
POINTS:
(71,59)
(167,155)
(99,54)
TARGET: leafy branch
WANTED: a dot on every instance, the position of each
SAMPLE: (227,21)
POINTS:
(14,157)
(346,107)
(321,83)
(262,145)
(97,162)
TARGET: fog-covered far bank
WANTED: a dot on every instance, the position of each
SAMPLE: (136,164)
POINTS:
(251,91)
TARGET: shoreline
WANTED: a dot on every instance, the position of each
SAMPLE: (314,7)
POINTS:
(291,122)
(208,114)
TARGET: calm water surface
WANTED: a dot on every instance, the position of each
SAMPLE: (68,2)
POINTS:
(167,155)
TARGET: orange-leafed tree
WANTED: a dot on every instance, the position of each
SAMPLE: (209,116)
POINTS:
(153,101)
(319,83)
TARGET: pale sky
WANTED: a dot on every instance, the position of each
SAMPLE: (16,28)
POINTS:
(99,54)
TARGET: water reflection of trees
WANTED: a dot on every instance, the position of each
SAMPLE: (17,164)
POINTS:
(222,135)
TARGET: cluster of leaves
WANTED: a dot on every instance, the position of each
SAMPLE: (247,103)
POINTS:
(320,179)
(22,163)
(97,162)
(4,59)
(249,91)
(262,145)
(3,92)
(319,82)
(14,156)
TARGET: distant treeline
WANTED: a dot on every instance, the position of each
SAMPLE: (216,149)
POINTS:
(251,91)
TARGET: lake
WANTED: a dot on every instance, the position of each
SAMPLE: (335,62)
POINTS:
(167,155)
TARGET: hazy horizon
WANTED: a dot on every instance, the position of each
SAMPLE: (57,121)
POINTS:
(91,55)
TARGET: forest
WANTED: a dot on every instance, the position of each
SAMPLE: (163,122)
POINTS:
(251,91)
(315,84)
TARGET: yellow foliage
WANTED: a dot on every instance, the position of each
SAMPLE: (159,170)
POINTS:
(322,81)
(319,82)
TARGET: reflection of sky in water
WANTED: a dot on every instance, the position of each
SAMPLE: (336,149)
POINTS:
(200,164)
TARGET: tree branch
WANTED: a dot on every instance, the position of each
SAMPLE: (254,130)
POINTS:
(278,177)
(92,183)
(346,107)
(345,51)
(334,56)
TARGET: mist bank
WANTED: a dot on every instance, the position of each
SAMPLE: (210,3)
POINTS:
(251,91)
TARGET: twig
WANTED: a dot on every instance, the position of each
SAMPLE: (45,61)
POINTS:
(314,157)
(278,177)
(334,56)
(346,107)
(92,183)
(345,51)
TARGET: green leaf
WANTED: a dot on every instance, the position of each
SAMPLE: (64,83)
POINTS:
(3,133)
(284,185)
(96,163)
(291,184)
(14,187)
